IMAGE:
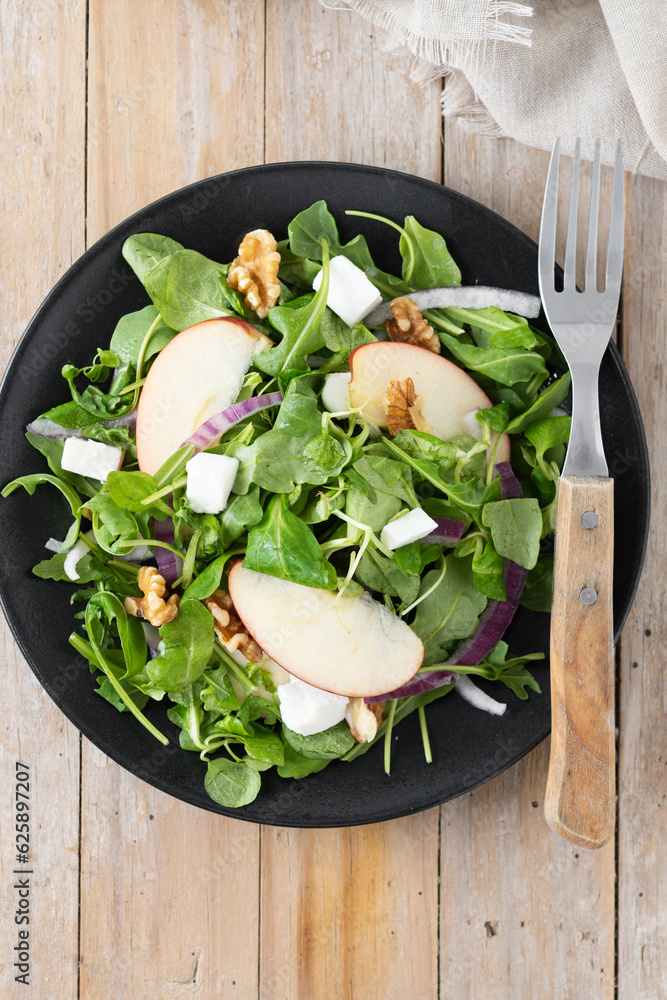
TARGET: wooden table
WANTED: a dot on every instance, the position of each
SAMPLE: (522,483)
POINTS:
(107,106)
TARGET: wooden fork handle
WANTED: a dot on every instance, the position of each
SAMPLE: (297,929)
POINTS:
(580,795)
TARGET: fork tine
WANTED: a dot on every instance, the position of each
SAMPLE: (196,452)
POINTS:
(616,227)
(592,242)
(547,245)
(570,278)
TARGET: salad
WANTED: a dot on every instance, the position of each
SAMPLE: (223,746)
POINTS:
(307,495)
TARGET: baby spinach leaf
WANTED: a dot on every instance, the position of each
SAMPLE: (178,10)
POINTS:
(314,224)
(388,475)
(278,461)
(30,484)
(283,546)
(242,512)
(319,508)
(505,366)
(327,745)
(487,569)
(231,783)
(374,513)
(538,591)
(377,572)
(186,288)
(129,489)
(131,331)
(298,414)
(516,528)
(409,559)
(427,263)
(298,766)
(266,746)
(450,611)
(144,250)
(301,329)
(341,338)
(185,648)
(324,455)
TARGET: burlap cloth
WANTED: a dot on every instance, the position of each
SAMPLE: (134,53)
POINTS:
(559,67)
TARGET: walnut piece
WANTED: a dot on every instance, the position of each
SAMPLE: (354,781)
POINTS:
(255,271)
(364,719)
(229,628)
(404,408)
(152,606)
(409,326)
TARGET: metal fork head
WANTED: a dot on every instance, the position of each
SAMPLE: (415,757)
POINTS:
(593,313)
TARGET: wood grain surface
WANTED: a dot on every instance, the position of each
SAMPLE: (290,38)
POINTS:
(107,106)
(580,797)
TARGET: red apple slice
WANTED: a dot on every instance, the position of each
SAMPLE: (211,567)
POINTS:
(200,372)
(450,396)
(353,646)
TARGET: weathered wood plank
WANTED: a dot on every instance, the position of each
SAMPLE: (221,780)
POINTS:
(347,912)
(169,892)
(42,55)
(537,912)
(642,784)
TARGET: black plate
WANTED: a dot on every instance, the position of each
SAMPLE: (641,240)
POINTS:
(469,746)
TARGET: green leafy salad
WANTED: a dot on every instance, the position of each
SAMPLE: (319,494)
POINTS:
(297,527)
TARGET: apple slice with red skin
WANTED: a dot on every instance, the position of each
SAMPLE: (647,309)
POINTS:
(352,646)
(450,395)
(200,372)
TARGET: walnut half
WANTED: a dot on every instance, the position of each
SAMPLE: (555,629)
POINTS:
(152,606)
(409,326)
(255,272)
(229,628)
(404,408)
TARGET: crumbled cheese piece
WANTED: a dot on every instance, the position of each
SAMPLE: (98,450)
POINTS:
(351,295)
(336,392)
(308,710)
(210,481)
(91,458)
(410,527)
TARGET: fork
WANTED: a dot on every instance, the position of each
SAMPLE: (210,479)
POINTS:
(580,794)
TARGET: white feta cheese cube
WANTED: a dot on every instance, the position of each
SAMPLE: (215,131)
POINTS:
(308,710)
(210,481)
(351,295)
(336,392)
(410,527)
(91,458)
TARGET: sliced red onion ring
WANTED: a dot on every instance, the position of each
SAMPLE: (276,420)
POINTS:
(464,297)
(220,423)
(493,621)
(48,428)
(448,532)
(169,564)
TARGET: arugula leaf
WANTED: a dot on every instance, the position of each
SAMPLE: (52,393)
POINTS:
(231,783)
(30,484)
(341,338)
(505,366)
(512,672)
(131,331)
(552,396)
(283,546)
(327,745)
(373,511)
(185,648)
(242,512)
(111,524)
(450,611)
(90,570)
(207,581)
(516,528)
(427,263)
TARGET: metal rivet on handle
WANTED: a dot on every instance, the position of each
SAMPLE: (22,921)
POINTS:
(589,519)
(588,596)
